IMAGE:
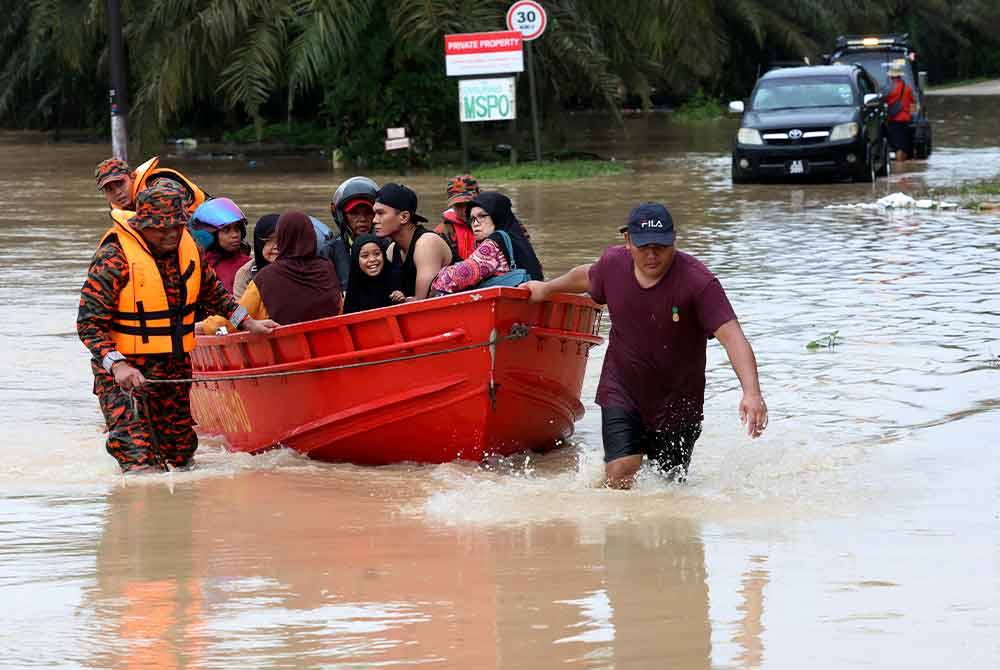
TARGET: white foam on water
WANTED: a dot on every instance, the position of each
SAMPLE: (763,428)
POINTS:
(897,200)
(792,472)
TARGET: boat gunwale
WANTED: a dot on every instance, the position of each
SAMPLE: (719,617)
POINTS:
(493,294)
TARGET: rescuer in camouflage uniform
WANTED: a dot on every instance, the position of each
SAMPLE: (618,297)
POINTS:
(156,430)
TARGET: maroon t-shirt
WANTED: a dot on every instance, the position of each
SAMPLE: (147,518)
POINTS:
(655,363)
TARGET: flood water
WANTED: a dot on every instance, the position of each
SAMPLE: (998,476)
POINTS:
(863,529)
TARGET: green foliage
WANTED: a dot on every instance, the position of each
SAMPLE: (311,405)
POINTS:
(825,342)
(548,170)
(298,134)
(698,108)
(358,66)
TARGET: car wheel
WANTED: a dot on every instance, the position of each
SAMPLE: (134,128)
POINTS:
(885,168)
(922,150)
(866,171)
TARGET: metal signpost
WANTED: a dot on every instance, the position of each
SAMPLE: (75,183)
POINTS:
(529,18)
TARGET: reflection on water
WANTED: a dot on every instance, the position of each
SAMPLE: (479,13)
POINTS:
(811,546)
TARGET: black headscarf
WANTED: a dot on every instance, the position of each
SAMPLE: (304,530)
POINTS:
(364,291)
(498,206)
(299,285)
(262,231)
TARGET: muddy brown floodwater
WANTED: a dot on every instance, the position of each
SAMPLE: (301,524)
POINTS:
(863,529)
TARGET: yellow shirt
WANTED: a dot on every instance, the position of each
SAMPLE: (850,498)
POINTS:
(250,300)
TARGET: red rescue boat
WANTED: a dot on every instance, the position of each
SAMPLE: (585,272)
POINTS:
(457,377)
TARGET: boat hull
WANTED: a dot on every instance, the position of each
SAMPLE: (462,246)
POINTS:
(458,377)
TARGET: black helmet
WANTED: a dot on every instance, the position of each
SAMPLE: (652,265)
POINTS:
(355,187)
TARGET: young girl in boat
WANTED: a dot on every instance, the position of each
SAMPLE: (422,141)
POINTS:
(371,282)
(228,226)
(500,246)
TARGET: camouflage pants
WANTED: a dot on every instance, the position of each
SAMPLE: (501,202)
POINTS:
(161,433)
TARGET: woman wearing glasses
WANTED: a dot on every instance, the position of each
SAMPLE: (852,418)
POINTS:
(501,248)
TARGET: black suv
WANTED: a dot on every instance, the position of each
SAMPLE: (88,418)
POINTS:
(876,54)
(821,120)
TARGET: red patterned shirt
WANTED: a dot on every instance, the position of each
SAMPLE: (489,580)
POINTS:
(485,262)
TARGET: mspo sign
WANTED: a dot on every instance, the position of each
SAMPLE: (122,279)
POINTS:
(483,53)
(487,99)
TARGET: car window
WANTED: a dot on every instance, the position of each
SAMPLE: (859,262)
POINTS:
(876,64)
(798,92)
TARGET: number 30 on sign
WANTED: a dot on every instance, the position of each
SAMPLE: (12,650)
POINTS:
(528,18)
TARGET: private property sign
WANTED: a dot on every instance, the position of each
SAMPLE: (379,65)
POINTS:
(487,99)
(483,53)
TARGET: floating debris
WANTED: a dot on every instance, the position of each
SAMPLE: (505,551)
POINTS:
(899,201)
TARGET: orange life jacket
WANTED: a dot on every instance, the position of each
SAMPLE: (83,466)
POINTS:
(143,322)
(149,171)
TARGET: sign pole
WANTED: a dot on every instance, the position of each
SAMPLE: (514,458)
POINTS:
(465,146)
(534,102)
(117,94)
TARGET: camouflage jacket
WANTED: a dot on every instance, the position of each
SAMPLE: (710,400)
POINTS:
(107,277)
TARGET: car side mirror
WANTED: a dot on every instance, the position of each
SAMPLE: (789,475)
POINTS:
(872,99)
(736,107)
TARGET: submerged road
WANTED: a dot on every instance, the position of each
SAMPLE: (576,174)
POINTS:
(991,87)
(860,531)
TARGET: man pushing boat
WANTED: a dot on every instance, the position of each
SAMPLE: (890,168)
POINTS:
(665,305)
(137,313)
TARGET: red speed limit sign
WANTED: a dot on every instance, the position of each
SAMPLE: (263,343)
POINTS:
(528,18)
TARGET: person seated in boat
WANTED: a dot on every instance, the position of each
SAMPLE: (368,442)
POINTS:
(228,226)
(416,254)
(264,252)
(352,208)
(503,256)
(454,226)
(296,286)
(372,284)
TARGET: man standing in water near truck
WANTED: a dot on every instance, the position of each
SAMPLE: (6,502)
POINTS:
(665,305)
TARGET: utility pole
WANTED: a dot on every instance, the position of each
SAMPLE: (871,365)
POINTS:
(534,103)
(117,93)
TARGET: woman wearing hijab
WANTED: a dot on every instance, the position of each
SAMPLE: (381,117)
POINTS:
(297,286)
(371,281)
(493,224)
(264,252)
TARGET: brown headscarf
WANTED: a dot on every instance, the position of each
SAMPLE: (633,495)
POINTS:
(299,285)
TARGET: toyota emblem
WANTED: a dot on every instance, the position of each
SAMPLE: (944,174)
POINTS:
(795,134)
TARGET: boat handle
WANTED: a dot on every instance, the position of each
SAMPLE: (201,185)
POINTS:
(333,359)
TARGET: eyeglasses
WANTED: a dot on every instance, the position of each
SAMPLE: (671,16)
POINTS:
(481,218)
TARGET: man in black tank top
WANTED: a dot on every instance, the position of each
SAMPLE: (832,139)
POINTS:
(415,256)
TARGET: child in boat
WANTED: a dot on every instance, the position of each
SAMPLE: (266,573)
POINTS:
(371,282)
(490,215)
(297,286)
(228,226)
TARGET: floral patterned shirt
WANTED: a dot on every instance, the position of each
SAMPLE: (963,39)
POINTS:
(485,262)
